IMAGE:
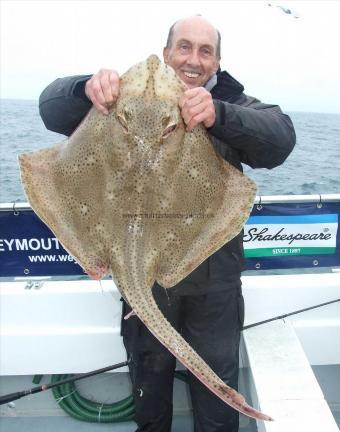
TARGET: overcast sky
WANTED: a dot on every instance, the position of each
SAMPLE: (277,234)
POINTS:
(293,62)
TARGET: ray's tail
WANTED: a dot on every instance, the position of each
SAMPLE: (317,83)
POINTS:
(145,307)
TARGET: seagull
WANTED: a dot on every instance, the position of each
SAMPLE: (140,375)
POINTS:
(286,10)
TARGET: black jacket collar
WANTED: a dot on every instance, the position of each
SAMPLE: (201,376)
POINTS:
(227,87)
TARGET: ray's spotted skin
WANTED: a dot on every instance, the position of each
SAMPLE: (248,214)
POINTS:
(134,194)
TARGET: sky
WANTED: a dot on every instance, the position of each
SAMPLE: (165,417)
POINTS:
(293,62)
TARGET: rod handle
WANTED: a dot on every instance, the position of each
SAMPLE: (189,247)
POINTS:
(10,397)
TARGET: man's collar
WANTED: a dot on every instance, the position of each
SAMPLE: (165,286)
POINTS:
(223,86)
(212,81)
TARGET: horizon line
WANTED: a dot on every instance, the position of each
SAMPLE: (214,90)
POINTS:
(287,109)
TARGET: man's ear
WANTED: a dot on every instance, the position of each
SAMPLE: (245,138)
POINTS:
(166,55)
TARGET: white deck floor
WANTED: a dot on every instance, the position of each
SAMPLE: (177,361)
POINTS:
(73,327)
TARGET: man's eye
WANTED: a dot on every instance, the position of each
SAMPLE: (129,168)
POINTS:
(206,51)
(184,47)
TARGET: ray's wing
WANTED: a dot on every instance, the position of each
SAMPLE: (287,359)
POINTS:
(211,202)
(67,184)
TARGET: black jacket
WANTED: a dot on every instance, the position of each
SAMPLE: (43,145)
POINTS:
(245,131)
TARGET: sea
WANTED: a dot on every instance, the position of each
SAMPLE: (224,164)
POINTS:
(312,168)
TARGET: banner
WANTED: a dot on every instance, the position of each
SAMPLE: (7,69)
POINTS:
(29,248)
(293,235)
(276,236)
(290,235)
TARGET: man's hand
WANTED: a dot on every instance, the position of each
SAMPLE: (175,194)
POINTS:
(197,107)
(103,89)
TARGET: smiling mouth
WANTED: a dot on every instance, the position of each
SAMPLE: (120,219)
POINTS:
(191,74)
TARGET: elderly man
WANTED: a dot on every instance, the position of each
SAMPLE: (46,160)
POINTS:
(207,306)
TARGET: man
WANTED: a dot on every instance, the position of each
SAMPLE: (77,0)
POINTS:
(207,306)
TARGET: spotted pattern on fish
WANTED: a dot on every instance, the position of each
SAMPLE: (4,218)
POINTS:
(135,195)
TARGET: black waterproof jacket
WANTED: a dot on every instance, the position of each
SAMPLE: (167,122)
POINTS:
(245,131)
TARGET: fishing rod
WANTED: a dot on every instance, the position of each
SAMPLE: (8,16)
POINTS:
(289,314)
(17,395)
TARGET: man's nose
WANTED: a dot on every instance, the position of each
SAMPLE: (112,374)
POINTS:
(193,59)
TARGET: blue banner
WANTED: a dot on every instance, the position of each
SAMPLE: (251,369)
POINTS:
(293,235)
(276,236)
(29,248)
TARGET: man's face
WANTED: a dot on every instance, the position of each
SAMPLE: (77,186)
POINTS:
(193,52)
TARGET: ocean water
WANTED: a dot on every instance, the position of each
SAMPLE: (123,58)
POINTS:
(312,168)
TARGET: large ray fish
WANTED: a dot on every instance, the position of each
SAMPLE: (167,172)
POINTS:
(135,195)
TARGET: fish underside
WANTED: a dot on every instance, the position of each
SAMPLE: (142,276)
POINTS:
(135,195)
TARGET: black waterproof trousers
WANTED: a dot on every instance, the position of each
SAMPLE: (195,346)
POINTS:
(211,323)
